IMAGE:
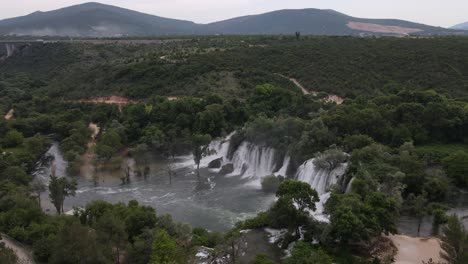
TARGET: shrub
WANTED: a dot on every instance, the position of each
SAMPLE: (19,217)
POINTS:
(270,184)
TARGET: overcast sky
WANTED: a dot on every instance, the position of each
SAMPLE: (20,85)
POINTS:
(433,12)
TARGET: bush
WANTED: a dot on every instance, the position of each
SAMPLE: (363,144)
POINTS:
(261,220)
(262,259)
(270,184)
(13,139)
(456,167)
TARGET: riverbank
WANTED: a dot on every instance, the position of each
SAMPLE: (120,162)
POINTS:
(24,255)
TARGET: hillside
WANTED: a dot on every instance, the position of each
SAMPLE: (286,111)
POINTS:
(463,26)
(101,21)
(110,21)
(319,22)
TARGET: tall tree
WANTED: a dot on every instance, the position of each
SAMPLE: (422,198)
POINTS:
(295,201)
(200,144)
(59,189)
(164,248)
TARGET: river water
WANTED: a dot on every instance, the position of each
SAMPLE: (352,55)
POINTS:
(212,201)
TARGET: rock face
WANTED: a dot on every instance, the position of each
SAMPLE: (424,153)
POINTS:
(226,169)
(215,164)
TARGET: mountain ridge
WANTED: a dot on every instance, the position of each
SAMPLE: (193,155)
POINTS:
(111,21)
(462,26)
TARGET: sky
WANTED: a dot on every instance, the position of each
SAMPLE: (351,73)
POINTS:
(443,13)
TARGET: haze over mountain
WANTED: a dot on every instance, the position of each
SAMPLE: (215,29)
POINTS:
(463,26)
(99,20)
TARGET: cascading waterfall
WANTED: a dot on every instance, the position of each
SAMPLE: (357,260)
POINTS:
(53,160)
(284,169)
(253,161)
(320,180)
(248,160)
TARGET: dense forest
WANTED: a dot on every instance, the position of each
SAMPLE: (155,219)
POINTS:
(402,129)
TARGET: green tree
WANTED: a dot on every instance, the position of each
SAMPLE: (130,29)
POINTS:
(77,244)
(59,189)
(454,242)
(305,253)
(262,259)
(200,144)
(295,200)
(111,232)
(353,219)
(13,139)
(164,248)
(270,184)
(456,167)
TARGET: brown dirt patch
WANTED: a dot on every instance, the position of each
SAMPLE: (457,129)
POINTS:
(376,28)
(416,249)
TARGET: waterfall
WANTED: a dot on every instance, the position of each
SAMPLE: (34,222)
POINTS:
(284,169)
(52,160)
(253,161)
(320,180)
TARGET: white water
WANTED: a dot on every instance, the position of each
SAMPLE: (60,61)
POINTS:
(320,180)
(59,165)
(284,169)
(249,160)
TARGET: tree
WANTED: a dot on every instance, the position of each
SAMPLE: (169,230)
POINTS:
(38,188)
(298,35)
(111,232)
(200,144)
(13,139)
(299,193)
(456,167)
(353,218)
(330,159)
(418,207)
(76,244)
(59,189)
(262,259)
(305,253)
(164,248)
(295,200)
(270,184)
(454,242)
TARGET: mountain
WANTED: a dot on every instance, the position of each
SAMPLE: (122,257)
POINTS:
(93,20)
(462,26)
(99,20)
(319,22)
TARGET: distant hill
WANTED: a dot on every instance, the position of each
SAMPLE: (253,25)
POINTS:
(463,26)
(93,20)
(99,20)
(319,22)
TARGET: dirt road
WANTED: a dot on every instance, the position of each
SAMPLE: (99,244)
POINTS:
(24,255)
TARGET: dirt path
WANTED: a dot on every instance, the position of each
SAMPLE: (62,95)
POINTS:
(9,115)
(24,255)
(416,250)
(330,98)
(87,168)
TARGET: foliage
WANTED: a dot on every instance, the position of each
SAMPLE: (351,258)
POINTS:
(454,241)
(59,189)
(456,166)
(262,259)
(164,248)
(270,184)
(305,253)
(355,219)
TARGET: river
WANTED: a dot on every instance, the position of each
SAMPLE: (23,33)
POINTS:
(213,201)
